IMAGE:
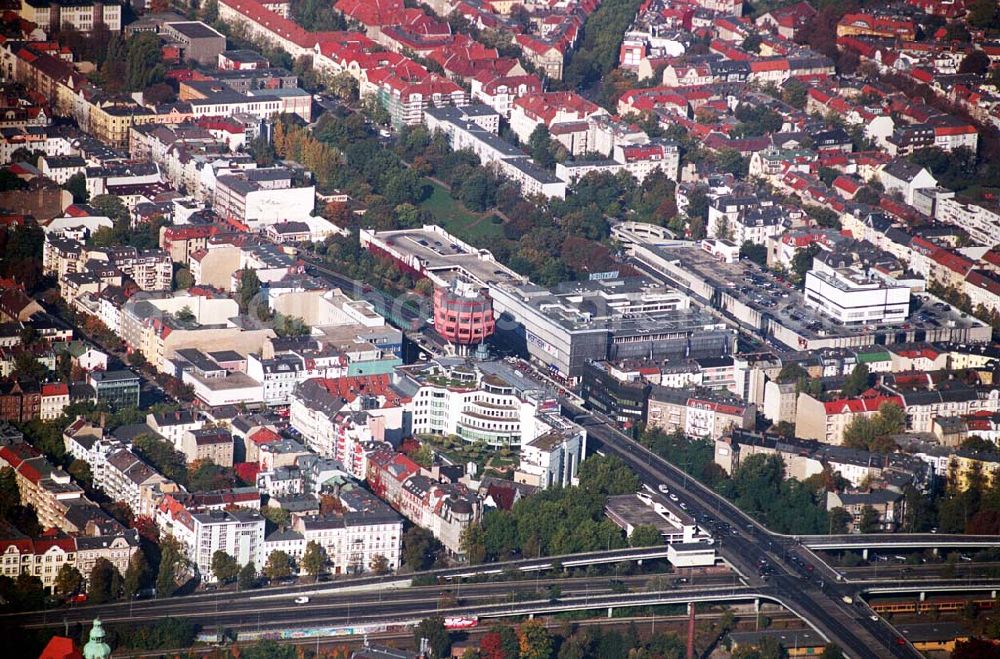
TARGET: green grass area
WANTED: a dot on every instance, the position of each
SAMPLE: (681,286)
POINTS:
(460,221)
(462,452)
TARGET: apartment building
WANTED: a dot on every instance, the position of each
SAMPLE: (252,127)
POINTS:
(853,298)
(826,420)
(44,556)
(478,407)
(465,132)
(119,389)
(352,540)
(125,477)
(237,532)
(707,414)
(46,488)
(54,399)
(445,509)
(212,444)
(258,197)
(553,458)
(83,15)
(172,426)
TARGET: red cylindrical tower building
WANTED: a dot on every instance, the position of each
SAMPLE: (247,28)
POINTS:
(463,313)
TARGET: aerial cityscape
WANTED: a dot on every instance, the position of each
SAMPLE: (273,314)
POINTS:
(500,329)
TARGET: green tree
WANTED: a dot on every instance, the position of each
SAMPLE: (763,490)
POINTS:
(279,516)
(205,476)
(111,206)
(185,315)
(105,583)
(80,471)
(840,520)
(224,567)
(473,543)
(535,640)
(795,93)
(792,372)
(10,495)
(314,559)
(247,578)
(25,593)
(983,13)
(379,565)
(249,288)
(976,62)
(163,457)
(137,575)
(166,575)
(891,419)
(77,186)
(210,11)
(754,252)
(268,649)
(540,147)
(27,367)
(751,43)
(645,535)
(68,581)
(420,548)
(607,475)
(438,640)
(802,262)
(870,520)
(279,565)
(858,381)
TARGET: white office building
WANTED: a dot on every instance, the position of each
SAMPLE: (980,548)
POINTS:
(852,298)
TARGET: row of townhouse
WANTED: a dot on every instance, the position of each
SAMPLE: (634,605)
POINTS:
(804,458)
(58,501)
(976,278)
(444,509)
(82,269)
(181,151)
(110,118)
(361,532)
(401,86)
(116,469)
(827,421)
(45,556)
(708,414)
(716,69)
(23,400)
(325,412)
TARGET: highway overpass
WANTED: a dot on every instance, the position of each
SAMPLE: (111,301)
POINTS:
(898,541)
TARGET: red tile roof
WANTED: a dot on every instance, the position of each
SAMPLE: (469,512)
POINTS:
(860,405)
(264,436)
(60,647)
(55,389)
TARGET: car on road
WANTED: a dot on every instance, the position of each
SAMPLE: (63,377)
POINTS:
(873,617)
(673,497)
(301,599)
(663,489)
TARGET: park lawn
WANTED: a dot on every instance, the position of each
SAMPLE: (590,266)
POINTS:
(460,221)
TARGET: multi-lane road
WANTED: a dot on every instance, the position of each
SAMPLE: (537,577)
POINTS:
(816,596)
(329,606)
